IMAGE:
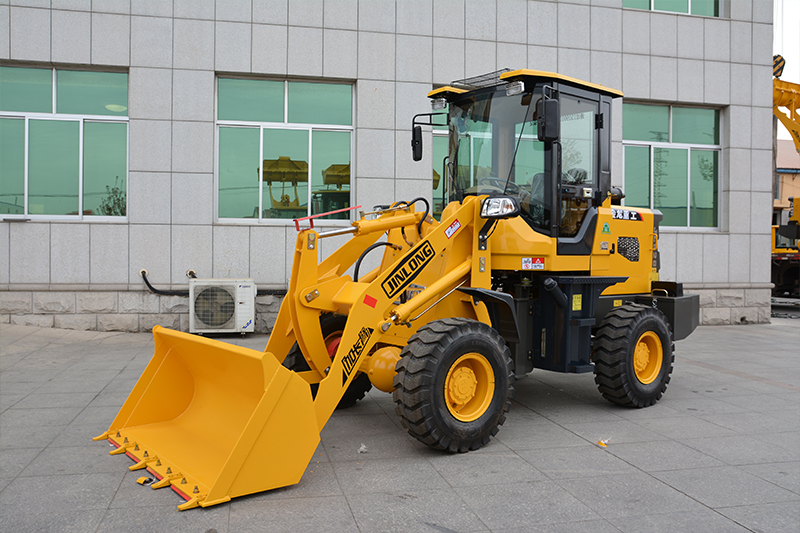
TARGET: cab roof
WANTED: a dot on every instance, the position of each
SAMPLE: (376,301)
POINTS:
(525,75)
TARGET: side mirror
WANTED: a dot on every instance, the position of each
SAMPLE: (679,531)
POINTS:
(548,119)
(416,143)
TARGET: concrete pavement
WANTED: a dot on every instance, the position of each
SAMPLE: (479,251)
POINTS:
(719,452)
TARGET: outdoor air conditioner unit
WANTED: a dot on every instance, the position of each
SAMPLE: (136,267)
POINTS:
(222,305)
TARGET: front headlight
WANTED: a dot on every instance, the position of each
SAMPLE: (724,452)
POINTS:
(500,207)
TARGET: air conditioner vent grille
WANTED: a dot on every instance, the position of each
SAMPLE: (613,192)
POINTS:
(214,306)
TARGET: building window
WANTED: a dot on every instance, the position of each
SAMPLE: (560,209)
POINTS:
(284,149)
(671,162)
(63,143)
(708,8)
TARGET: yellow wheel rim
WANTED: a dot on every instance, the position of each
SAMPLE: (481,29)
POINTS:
(647,357)
(469,387)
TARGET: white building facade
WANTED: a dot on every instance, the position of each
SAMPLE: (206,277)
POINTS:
(177,135)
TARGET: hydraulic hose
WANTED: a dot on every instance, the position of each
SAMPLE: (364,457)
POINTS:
(427,210)
(364,254)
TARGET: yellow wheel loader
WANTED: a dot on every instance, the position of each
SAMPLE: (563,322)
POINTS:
(534,265)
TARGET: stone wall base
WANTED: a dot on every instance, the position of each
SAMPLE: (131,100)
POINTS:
(131,311)
(140,311)
(733,306)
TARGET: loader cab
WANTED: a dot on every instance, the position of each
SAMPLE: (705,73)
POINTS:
(503,142)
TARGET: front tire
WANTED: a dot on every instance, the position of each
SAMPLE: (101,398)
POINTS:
(454,384)
(633,355)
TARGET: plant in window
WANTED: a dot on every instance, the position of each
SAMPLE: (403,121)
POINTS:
(113,205)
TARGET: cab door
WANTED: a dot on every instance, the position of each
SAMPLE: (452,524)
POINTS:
(579,180)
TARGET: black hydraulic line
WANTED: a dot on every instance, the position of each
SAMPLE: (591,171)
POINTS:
(427,210)
(368,250)
(143,273)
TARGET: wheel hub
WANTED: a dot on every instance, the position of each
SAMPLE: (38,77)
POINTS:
(463,385)
(647,357)
(469,387)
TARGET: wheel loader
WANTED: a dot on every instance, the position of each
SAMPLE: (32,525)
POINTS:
(534,264)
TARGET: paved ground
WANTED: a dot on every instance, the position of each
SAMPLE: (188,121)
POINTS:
(720,452)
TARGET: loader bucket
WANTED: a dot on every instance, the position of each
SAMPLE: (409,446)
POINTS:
(216,421)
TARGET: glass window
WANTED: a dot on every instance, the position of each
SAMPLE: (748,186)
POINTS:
(12,166)
(238,172)
(676,6)
(105,156)
(285,173)
(26,89)
(250,100)
(708,8)
(637,176)
(645,123)
(670,182)
(677,170)
(439,154)
(577,140)
(320,103)
(76,165)
(53,167)
(300,149)
(91,93)
(691,125)
(330,173)
(704,176)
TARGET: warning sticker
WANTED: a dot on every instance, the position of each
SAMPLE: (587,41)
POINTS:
(577,302)
(452,228)
(533,263)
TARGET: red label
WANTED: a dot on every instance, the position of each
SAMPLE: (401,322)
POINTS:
(370,301)
(452,228)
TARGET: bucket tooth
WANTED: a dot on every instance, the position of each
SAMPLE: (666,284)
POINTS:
(165,481)
(143,463)
(192,503)
(122,449)
(104,436)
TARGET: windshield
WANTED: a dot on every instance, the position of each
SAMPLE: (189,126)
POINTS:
(494,149)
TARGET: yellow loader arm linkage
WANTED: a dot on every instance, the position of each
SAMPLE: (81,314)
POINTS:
(787,96)
(215,421)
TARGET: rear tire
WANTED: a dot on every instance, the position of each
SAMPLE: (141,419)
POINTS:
(332,328)
(454,383)
(633,355)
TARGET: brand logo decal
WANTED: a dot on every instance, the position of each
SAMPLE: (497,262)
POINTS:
(606,228)
(533,263)
(248,323)
(452,228)
(355,352)
(624,214)
(409,269)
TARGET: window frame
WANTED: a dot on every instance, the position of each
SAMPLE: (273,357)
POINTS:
(285,125)
(653,9)
(27,116)
(689,147)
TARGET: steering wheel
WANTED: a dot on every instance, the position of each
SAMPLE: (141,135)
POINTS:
(512,188)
